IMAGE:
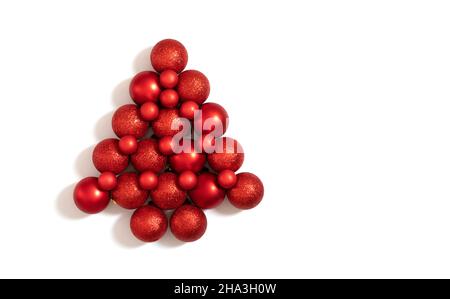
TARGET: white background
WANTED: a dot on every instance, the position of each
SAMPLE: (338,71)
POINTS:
(342,107)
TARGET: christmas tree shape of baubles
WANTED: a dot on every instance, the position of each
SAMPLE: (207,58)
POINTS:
(186,166)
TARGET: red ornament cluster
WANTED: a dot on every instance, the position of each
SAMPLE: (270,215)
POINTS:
(199,177)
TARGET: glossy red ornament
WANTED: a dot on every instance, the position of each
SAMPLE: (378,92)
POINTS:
(128,194)
(214,118)
(187,180)
(167,119)
(227,179)
(248,191)
(128,145)
(169,98)
(165,145)
(168,79)
(228,155)
(88,196)
(207,194)
(188,223)
(168,195)
(187,109)
(148,157)
(108,158)
(193,86)
(127,121)
(148,224)
(189,159)
(145,87)
(148,180)
(169,54)
(149,111)
(107,181)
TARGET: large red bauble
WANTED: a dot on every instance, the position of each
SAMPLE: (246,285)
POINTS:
(169,98)
(227,179)
(168,79)
(169,54)
(107,181)
(168,195)
(148,157)
(128,194)
(148,224)
(107,157)
(88,196)
(145,87)
(228,155)
(214,119)
(127,121)
(188,223)
(248,191)
(162,125)
(149,111)
(207,194)
(193,86)
(189,160)
(187,109)
(187,180)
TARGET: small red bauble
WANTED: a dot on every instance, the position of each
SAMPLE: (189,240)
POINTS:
(149,111)
(189,160)
(169,98)
(148,180)
(108,158)
(187,180)
(248,191)
(169,54)
(166,124)
(228,154)
(207,194)
(88,196)
(127,121)
(227,179)
(128,145)
(187,109)
(165,145)
(214,119)
(193,86)
(168,79)
(107,181)
(148,157)
(188,223)
(168,195)
(128,194)
(148,224)
(145,87)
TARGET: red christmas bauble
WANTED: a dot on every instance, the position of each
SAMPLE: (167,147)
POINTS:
(128,145)
(128,194)
(187,180)
(165,145)
(88,196)
(169,98)
(127,121)
(228,155)
(248,191)
(169,54)
(207,194)
(188,223)
(148,157)
(145,87)
(168,79)
(167,119)
(107,181)
(148,224)
(149,111)
(227,179)
(148,180)
(187,109)
(193,86)
(188,160)
(214,119)
(107,157)
(168,195)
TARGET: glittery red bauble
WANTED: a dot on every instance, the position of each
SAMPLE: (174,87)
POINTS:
(193,86)
(145,87)
(169,54)
(228,154)
(88,196)
(127,121)
(148,224)
(107,181)
(248,191)
(149,111)
(188,160)
(107,157)
(214,119)
(148,157)
(207,194)
(128,194)
(168,195)
(168,79)
(187,180)
(188,223)
(169,98)
(148,180)
(162,126)
(128,145)
(187,109)
(227,179)
(165,145)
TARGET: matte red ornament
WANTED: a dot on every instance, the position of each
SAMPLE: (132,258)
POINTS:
(187,109)
(148,224)
(145,87)
(169,98)
(168,195)
(165,145)
(188,223)
(128,145)
(193,86)
(228,155)
(148,157)
(169,54)
(108,158)
(248,191)
(88,196)
(148,180)
(187,180)
(168,79)
(162,126)
(214,119)
(127,121)
(128,194)
(149,111)
(227,179)
(107,181)
(207,194)
(188,160)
